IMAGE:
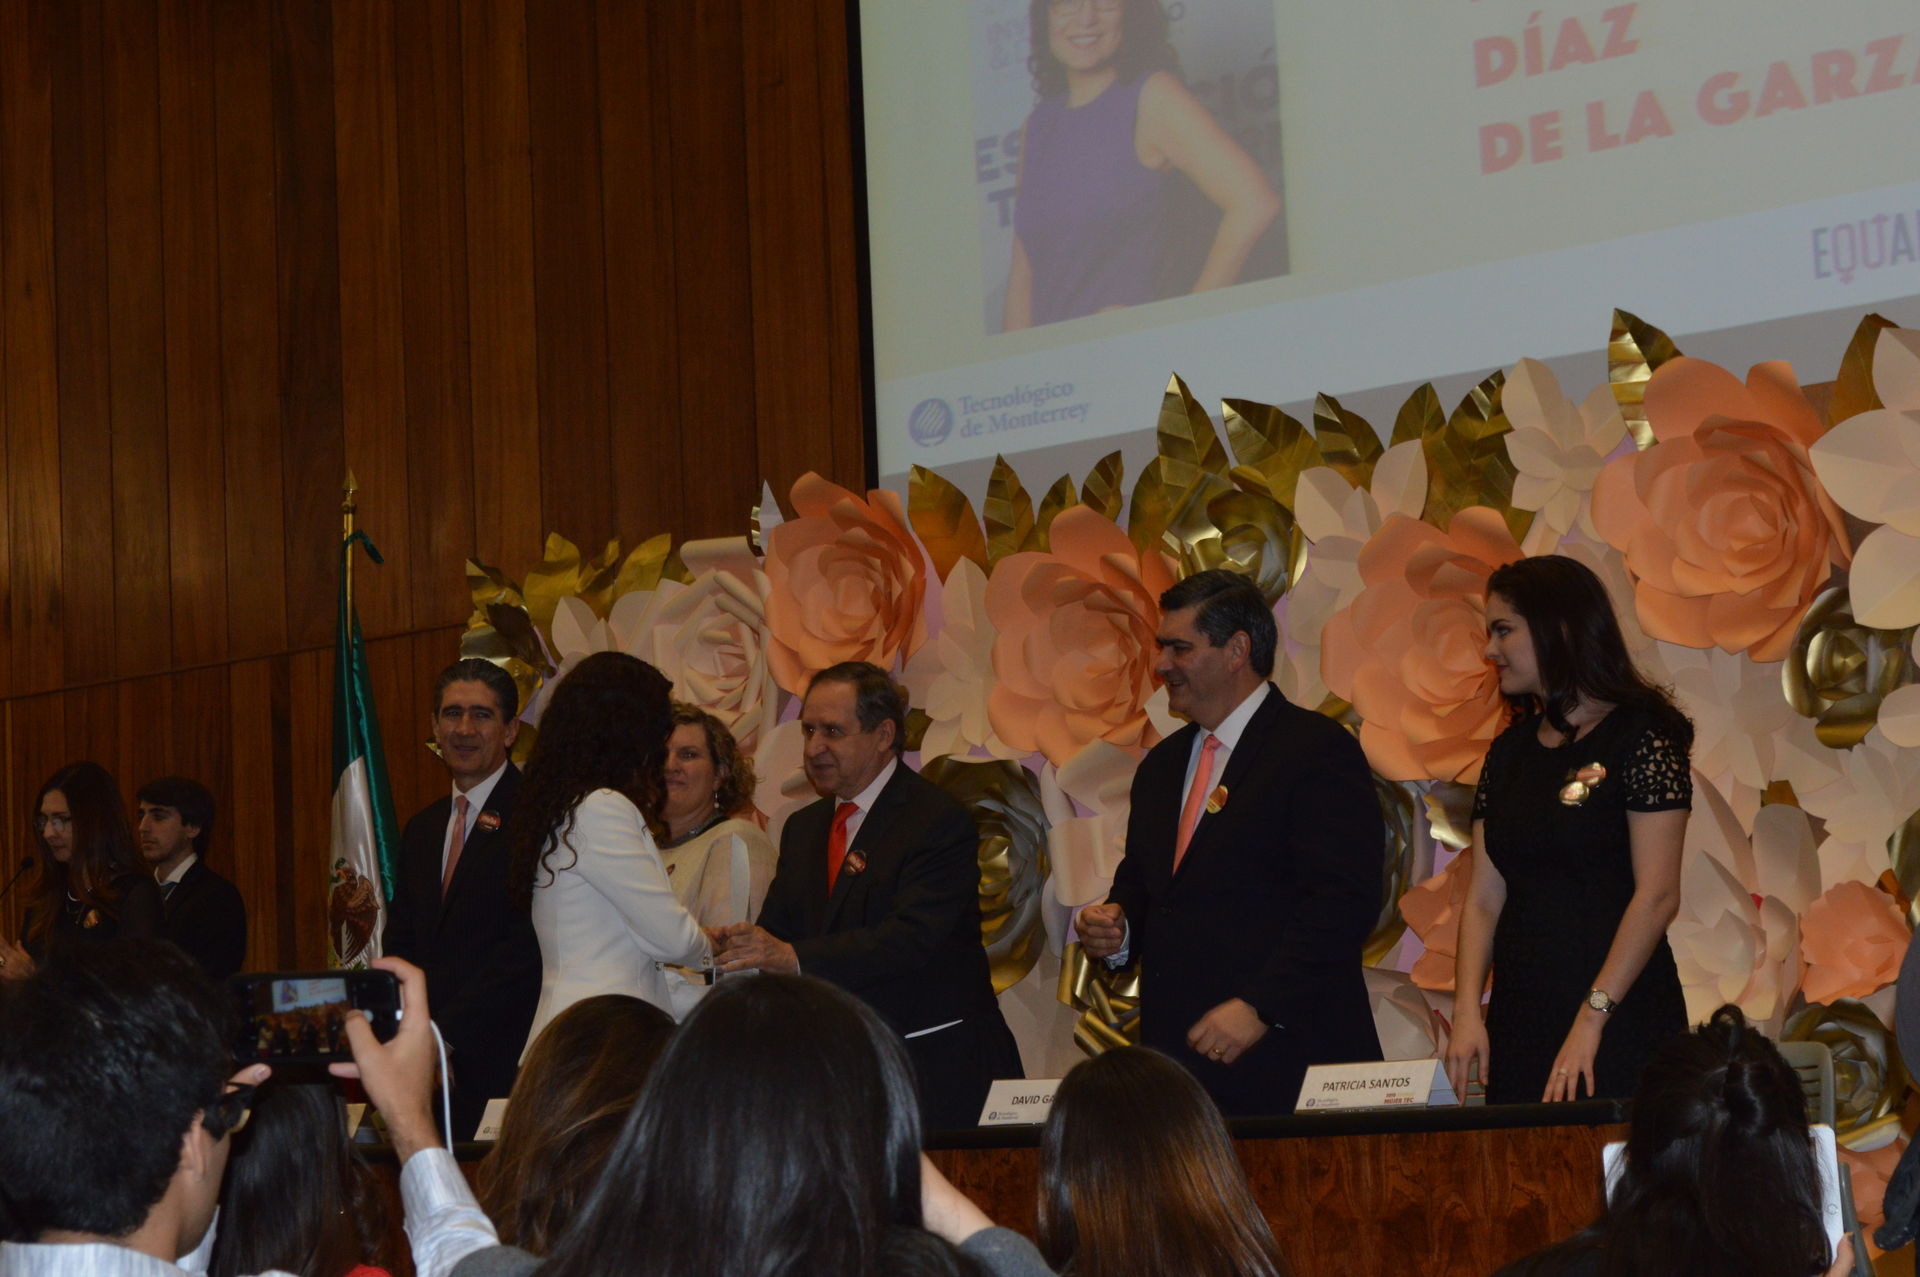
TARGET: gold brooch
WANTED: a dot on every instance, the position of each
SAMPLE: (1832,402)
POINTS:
(1216,800)
(1580,783)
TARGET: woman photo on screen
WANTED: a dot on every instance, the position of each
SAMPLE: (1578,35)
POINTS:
(1575,871)
(91,884)
(582,841)
(1094,214)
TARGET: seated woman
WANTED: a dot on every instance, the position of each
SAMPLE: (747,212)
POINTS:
(779,1133)
(91,886)
(719,860)
(1139,1179)
(582,841)
(1719,1176)
(297,1198)
(568,1106)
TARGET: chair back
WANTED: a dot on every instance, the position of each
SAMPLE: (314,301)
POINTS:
(1813,1063)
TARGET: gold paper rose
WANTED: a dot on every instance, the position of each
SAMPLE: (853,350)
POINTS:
(1073,652)
(1407,653)
(848,583)
(1004,800)
(1724,525)
(1867,1079)
(1838,671)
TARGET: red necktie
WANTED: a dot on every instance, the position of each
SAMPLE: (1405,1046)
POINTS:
(455,842)
(1196,797)
(837,842)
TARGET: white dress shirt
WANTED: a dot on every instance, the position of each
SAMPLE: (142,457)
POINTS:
(476,803)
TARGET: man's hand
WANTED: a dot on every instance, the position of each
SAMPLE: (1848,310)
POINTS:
(745,947)
(1227,1032)
(1102,929)
(15,963)
(398,1074)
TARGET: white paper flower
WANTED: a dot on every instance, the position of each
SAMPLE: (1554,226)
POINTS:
(1084,850)
(1558,448)
(950,676)
(1738,714)
(1870,465)
(1876,789)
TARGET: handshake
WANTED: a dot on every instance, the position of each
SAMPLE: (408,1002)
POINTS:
(741,946)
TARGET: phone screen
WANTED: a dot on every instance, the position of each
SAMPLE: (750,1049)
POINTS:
(303,1016)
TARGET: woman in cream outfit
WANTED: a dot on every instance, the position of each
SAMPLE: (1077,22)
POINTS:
(603,908)
(720,863)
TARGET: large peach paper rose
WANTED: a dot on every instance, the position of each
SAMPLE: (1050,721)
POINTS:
(1724,525)
(1853,937)
(848,583)
(1073,653)
(1408,651)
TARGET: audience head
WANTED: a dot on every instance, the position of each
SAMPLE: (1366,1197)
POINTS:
(114,1104)
(854,719)
(80,824)
(297,1198)
(176,814)
(706,775)
(1139,1178)
(605,727)
(778,1133)
(569,1105)
(1216,639)
(1567,647)
(474,723)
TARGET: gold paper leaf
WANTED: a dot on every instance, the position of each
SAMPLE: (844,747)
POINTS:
(1101,491)
(557,577)
(1635,351)
(943,518)
(643,568)
(1190,469)
(1467,461)
(1420,417)
(1009,513)
(489,585)
(1272,448)
(1058,498)
(1853,391)
(1347,441)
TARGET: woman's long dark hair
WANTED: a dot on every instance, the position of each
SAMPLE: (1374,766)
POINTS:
(1138,1177)
(296,1196)
(1719,1174)
(1577,644)
(1145,46)
(569,1105)
(102,847)
(606,727)
(778,1134)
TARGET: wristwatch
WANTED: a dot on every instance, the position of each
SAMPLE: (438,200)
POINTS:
(1599,1000)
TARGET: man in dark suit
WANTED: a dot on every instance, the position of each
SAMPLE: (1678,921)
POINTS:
(204,912)
(451,914)
(878,891)
(1253,865)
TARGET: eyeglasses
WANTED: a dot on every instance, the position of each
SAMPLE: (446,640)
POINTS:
(1062,8)
(229,1114)
(60,821)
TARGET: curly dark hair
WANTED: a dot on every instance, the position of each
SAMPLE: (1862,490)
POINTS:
(606,727)
(1145,46)
(734,779)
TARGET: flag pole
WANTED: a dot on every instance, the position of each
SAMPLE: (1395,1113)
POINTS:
(349,503)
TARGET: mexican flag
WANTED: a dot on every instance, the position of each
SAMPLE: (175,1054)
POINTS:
(360,876)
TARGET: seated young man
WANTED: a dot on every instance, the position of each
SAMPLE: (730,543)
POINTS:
(117,1095)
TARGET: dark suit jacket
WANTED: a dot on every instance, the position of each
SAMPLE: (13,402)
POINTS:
(206,917)
(478,948)
(1272,903)
(903,933)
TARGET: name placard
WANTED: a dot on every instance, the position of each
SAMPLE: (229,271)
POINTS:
(1018,1101)
(1378,1084)
(491,1119)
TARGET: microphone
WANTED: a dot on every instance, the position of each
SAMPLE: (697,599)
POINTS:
(26,863)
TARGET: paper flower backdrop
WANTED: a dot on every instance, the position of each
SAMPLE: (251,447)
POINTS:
(1722,513)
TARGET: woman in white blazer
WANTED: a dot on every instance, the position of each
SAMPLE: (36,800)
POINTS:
(583,844)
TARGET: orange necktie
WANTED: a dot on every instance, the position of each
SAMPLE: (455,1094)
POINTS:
(455,842)
(837,842)
(1196,797)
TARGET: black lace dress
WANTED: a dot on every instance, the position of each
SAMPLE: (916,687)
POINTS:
(1569,876)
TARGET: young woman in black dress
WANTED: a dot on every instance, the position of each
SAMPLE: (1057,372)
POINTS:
(1577,830)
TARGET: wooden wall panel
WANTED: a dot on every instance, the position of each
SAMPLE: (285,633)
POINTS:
(580,266)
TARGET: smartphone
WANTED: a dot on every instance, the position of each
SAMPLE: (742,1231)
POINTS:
(300,1017)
